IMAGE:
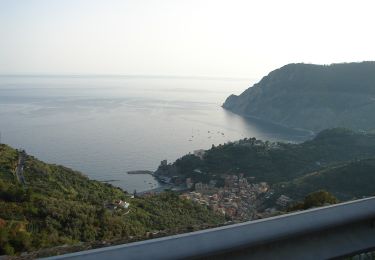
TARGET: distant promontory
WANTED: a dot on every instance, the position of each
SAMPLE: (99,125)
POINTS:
(313,97)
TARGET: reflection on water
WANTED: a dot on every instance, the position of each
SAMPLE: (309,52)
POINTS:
(107,126)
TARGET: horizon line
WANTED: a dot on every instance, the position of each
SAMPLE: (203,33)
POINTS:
(128,76)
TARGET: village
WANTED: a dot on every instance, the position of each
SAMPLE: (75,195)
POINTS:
(238,200)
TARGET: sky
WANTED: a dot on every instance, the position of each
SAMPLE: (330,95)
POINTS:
(218,38)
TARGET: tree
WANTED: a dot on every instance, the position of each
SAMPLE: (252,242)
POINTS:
(316,199)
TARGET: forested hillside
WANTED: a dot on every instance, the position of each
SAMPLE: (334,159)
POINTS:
(313,97)
(275,162)
(60,206)
(347,181)
(338,160)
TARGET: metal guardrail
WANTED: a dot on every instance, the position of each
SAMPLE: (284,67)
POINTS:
(321,233)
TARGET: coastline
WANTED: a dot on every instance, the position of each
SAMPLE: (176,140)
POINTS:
(141,172)
(309,131)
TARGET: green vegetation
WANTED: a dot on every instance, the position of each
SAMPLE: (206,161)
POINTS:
(316,199)
(276,162)
(348,181)
(60,206)
(313,97)
(337,160)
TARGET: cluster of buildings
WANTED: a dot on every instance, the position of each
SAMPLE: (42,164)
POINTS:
(117,204)
(238,199)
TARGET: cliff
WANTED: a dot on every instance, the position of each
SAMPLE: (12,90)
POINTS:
(313,97)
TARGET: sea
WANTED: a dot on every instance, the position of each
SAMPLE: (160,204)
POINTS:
(105,126)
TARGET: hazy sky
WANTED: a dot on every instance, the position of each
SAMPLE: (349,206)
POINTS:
(230,38)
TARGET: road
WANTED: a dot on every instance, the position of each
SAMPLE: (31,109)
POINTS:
(20,167)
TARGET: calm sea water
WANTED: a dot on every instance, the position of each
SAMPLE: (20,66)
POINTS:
(106,126)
